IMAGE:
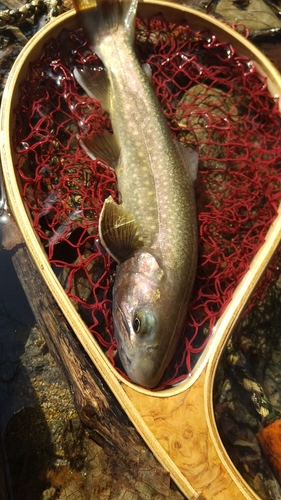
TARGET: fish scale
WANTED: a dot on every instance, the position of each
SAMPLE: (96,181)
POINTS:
(152,232)
(146,134)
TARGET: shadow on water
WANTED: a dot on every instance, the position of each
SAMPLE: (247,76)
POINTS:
(29,461)
(25,436)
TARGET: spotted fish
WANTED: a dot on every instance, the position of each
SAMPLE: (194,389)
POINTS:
(151,232)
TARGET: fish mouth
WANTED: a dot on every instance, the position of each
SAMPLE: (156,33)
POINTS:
(141,365)
(140,371)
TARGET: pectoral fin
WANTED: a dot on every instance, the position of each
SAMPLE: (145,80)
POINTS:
(118,230)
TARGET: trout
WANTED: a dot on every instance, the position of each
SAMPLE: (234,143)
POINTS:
(152,231)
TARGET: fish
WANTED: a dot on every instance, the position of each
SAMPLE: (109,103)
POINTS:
(151,231)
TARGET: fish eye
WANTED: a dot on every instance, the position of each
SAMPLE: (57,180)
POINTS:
(136,324)
(143,323)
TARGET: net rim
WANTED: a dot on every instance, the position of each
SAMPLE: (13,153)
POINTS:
(10,96)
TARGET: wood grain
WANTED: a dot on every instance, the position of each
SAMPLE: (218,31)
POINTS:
(180,426)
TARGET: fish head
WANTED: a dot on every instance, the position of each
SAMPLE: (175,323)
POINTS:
(146,317)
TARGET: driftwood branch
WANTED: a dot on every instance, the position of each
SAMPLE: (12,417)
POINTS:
(130,458)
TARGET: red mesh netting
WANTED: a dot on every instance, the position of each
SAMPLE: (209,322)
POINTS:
(213,99)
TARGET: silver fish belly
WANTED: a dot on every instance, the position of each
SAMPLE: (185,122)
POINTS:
(152,232)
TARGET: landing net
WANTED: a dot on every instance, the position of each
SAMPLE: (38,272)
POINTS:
(215,101)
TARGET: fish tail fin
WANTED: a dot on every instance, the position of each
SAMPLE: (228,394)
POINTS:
(102,17)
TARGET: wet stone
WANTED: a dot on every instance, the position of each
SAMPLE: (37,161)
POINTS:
(257,341)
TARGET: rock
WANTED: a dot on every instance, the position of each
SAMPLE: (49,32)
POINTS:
(49,494)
